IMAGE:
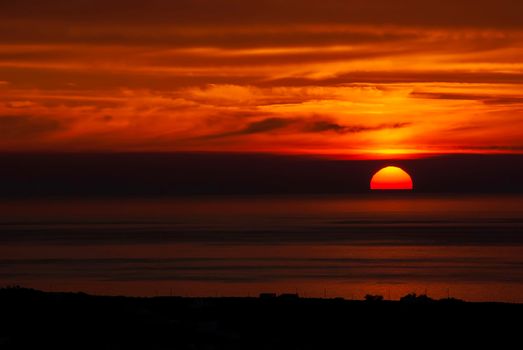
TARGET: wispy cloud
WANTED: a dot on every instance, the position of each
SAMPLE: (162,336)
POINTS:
(485,98)
(26,127)
(381,75)
(304,125)
(321,126)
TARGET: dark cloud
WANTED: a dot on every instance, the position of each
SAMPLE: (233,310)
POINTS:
(261,126)
(16,127)
(278,58)
(504,100)
(321,126)
(304,125)
(447,96)
(488,99)
(38,77)
(266,125)
(485,13)
(493,148)
(389,77)
(167,36)
(187,58)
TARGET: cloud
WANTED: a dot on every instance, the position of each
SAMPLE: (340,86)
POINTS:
(304,125)
(169,36)
(485,13)
(485,98)
(322,126)
(240,72)
(494,148)
(447,96)
(261,126)
(394,76)
(266,125)
(504,100)
(20,104)
(21,127)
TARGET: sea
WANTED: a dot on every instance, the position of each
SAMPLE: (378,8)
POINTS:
(447,245)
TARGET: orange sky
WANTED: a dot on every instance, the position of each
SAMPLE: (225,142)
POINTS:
(329,77)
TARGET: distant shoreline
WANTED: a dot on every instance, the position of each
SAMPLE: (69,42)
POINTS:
(409,299)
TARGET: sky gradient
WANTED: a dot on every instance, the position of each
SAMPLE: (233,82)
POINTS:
(351,78)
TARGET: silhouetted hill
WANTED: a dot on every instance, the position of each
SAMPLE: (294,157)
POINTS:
(32,319)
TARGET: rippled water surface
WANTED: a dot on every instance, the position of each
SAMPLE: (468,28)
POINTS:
(469,247)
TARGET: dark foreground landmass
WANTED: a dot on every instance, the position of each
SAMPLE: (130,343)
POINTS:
(32,319)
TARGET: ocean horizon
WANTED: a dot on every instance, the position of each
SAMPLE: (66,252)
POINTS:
(464,246)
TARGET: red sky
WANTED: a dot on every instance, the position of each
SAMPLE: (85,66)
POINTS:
(330,77)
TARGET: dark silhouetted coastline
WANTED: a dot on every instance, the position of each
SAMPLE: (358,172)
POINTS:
(34,319)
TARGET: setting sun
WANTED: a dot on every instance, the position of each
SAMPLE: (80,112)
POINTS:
(391,178)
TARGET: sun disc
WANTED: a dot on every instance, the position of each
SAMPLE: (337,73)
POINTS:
(391,178)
